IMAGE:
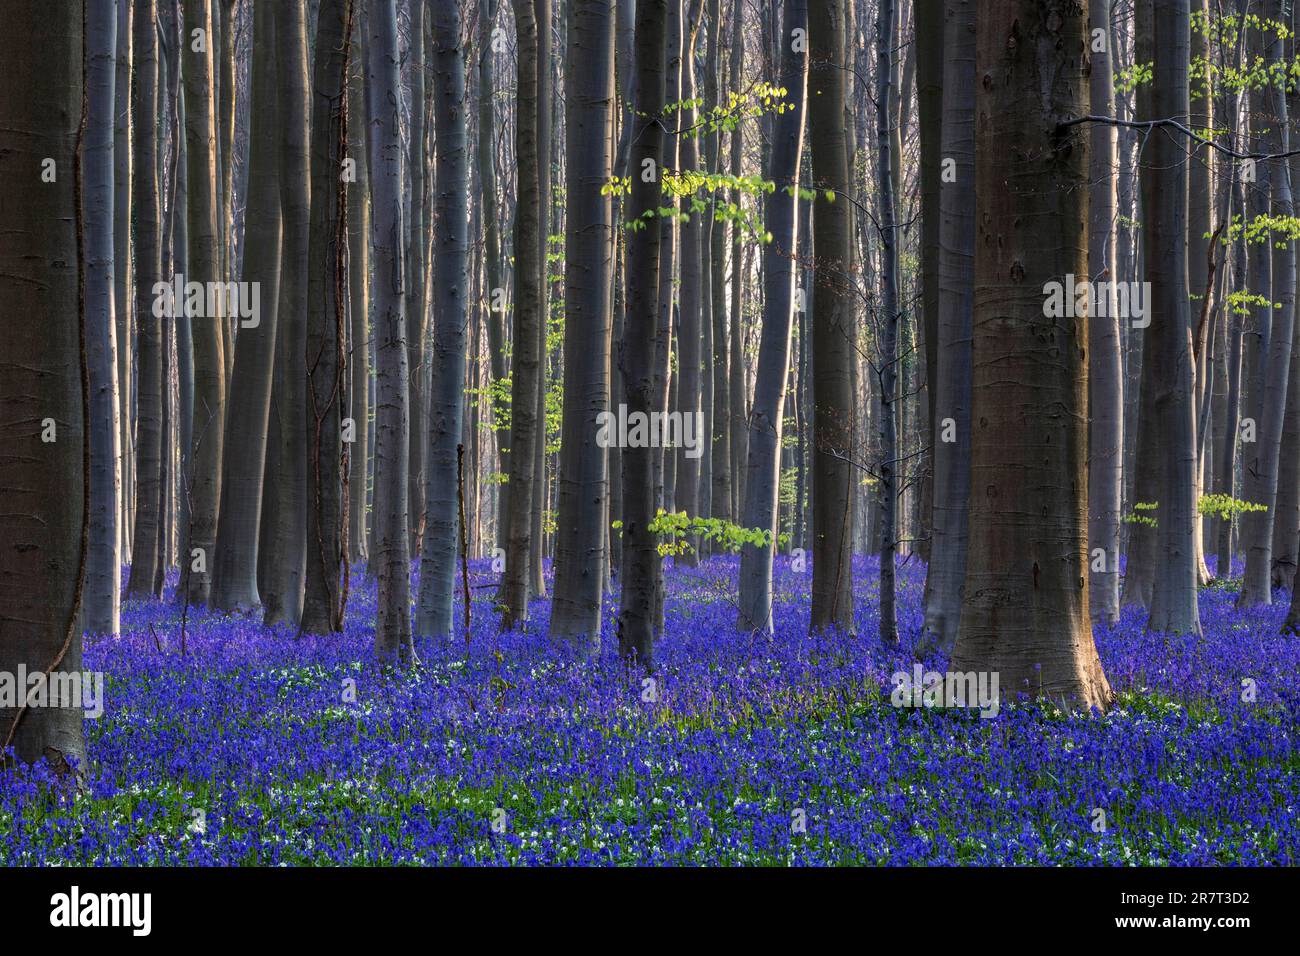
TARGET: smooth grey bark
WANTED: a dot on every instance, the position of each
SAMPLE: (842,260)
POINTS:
(43,374)
(767,416)
(640,547)
(201,483)
(691,300)
(390,556)
(1025,604)
(1106,364)
(1273,365)
(101,605)
(547,158)
(359,304)
(416,292)
(146,562)
(514,590)
(834,337)
(951,385)
(580,541)
(1167,351)
(234,573)
(124,305)
(327,284)
(451,317)
(283,599)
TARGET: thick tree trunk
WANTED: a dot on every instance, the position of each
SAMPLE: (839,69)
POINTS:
(451,291)
(201,483)
(580,540)
(951,384)
(640,551)
(1273,365)
(524,426)
(1106,363)
(43,371)
(234,575)
(284,598)
(102,601)
(1025,604)
(390,555)
(1168,345)
(327,284)
(358,351)
(834,336)
(146,562)
(767,418)
(416,293)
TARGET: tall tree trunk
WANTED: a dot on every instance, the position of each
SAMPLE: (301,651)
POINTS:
(928,32)
(359,304)
(767,418)
(687,485)
(834,337)
(951,384)
(390,555)
(1169,344)
(583,481)
(542,11)
(124,305)
(201,484)
(44,403)
(327,283)
(451,290)
(102,600)
(284,602)
(736,397)
(640,546)
(1273,365)
(1106,363)
(234,574)
(1025,603)
(146,562)
(888,157)
(528,303)
(416,293)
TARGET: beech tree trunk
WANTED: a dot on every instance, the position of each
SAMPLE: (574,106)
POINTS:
(1025,604)
(43,367)
(834,337)
(580,541)
(439,560)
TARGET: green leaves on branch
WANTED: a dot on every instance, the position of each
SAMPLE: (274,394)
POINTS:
(675,527)
(1225,507)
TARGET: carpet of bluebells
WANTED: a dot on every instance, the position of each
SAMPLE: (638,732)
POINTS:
(259,747)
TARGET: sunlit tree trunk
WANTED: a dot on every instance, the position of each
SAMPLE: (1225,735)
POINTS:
(1025,603)
(146,562)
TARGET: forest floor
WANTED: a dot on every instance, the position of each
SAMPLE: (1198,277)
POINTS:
(257,747)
